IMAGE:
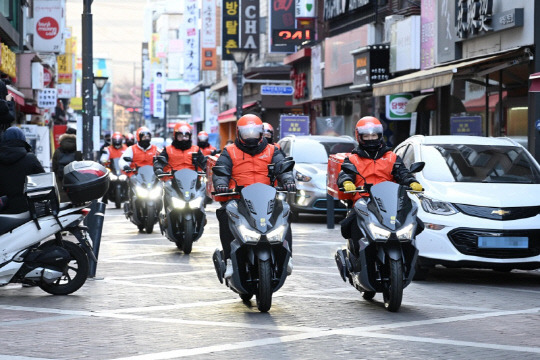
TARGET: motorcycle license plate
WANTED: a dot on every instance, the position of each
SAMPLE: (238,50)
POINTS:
(503,242)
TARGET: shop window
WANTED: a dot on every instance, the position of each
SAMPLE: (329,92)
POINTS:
(516,124)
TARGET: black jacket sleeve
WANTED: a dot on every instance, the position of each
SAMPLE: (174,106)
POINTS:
(161,160)
(226,161)
(342,177)
(400,172)
(279,156)
(199,160)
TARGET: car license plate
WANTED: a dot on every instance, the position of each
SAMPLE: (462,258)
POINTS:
(503,242)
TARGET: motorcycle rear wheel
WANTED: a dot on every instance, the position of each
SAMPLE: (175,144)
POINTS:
(75,273)
(393,293)
(187,242)
(264,291)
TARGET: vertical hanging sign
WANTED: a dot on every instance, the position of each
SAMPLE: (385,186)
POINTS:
(249,25)
(281,18)
(208,35)
(231,23)
(191,51)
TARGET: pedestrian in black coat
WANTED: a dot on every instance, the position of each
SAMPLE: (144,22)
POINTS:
(16,162)
(7,108)
(63,156)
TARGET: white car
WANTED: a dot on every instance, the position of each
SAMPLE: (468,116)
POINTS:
(481,204)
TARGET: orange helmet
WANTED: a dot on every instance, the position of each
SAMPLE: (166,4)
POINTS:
(117,139)
(141,132)
(202,136)
(130,139)
(369,125)
(249,130)
(182,128)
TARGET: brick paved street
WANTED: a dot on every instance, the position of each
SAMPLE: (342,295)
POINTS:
(153,302)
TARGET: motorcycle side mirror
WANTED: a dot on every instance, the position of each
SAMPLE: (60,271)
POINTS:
(417,166)
(349,169)
(159,158)
(221,171)
(285,166)
(128,159)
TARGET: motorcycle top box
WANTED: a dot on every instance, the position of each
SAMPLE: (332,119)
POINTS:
(85,181)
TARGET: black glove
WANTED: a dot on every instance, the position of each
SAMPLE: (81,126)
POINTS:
(127,168)
(222,189)
(159,172)
(290,186)
(195,159)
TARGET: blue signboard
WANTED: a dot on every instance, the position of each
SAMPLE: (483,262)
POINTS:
(466,125)
(293,125)
(276,90)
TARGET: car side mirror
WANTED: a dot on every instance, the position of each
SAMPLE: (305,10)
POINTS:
(417,166)
(349,169)
(221,171)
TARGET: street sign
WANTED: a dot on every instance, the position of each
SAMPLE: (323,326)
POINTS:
(276,90)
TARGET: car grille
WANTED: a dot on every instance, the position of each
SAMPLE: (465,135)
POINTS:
(321,204)
(466,242)
(507,213)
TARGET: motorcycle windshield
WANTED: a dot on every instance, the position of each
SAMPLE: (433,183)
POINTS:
(145,174)
(386,196)
(259,200)
(186,181)
(115,166)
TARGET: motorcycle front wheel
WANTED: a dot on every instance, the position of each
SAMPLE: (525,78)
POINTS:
(150,220)
(187,242)
(393,292)
(118,197)
(74,274)
(264,290)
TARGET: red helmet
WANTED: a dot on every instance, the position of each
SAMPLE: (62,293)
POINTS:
(369,125)
(249,130)
(130,139)
(141,132)
(202,136)
(182,128)
(117,139)
(268,129)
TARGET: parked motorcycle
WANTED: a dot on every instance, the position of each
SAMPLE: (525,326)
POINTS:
(118,186)
(145,202)
(183,217)
(384,260)
(28,255)
(260,252)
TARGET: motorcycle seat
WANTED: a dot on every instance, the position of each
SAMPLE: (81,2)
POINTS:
(9,222)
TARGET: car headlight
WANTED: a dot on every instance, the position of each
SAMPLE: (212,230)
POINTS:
(302,177)
(405,233)
(155,192)
(178,203)
(378,232)
(248,235)
(437,207)
(141,192)
(113,177)
(196,203)
(276,235)
(122,177)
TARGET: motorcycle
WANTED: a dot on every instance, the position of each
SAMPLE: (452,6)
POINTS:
(145,202)
(183,217)
(259,252)
(384,260)
(118,187)
(30,257)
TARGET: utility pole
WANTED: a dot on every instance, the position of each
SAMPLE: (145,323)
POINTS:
(87,82)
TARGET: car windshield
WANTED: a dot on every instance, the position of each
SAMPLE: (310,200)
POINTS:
(489,163)
(317,152)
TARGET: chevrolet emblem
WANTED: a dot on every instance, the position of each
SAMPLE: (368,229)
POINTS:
(500,212)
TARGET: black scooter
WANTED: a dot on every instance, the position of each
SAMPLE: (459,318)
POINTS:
(260,252)
(383,260)
(118,184)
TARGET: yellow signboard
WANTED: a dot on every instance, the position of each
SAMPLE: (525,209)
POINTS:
(65,68)
(8,63)
(76,103)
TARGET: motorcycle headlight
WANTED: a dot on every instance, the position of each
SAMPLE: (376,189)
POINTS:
(249,236)
(113,177)
(155,192)
(178,203)
(141,192)
(301,177)
(122,177)
(437,207)
(378,232)
(196,203)
(405,233)
(276,235)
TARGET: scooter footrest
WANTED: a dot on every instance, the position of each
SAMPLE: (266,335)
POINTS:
(341,264)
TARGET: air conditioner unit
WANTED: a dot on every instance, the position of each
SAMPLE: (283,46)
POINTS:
(388,21)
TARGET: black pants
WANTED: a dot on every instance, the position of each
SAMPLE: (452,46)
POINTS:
(226,236)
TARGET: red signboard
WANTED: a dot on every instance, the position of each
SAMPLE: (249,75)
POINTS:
(47,27)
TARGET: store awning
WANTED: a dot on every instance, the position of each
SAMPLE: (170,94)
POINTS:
(414,102)
(479,104)
(230,115)
(428,102)
(17,95)
(535,82)
(30,109)
(425,79)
